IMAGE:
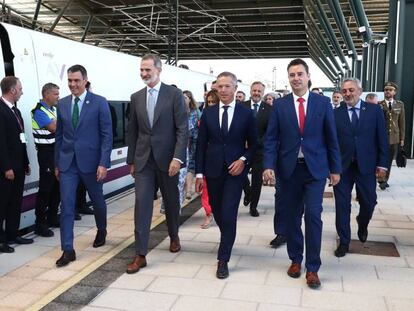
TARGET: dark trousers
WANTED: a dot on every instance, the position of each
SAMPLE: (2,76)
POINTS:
(254,188)
(145,183)
(11,194)
(48,195)
(69,180)
(279,219)
(224,196)
(305,195)
(367,199)
(80,197)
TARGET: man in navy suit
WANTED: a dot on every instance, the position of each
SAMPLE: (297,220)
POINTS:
(363,143)
(301,146)
(221,157)
(82,151)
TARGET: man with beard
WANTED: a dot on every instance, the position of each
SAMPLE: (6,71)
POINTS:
(157,141)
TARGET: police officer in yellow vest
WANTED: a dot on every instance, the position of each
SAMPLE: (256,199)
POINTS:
(44,127)
(395,120)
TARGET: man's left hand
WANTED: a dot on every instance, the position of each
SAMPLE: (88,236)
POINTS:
(236,167)
(174,167)
(334,179)
(101,173)
(380,173)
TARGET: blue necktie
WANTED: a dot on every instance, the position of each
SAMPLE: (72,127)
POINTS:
(354,118)
(255,108)
(225,122)
(151,105)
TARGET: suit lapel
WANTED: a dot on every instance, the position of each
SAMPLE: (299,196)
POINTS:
(142,106)
(162,98)
(310,111)
(291,110)
(362,113)
(85,108)
(236,108)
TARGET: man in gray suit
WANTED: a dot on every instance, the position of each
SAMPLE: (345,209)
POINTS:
(157,141)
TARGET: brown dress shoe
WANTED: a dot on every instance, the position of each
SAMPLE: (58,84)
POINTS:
(138,263)
(312,280)
(175,245)
(294,270)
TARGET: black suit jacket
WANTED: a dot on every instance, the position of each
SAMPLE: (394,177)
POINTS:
(13,154)
(262,119)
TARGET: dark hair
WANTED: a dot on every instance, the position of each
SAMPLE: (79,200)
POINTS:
(371,95)
(258,82)
(8,83)
(155,58)
(337,92)
(193,104)
(47,87)
(76,68)
(88,85)
(212,93)
(241,92)
(298,61)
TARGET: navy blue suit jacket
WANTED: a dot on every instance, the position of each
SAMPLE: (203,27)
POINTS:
(319,144)
(370,139)
(91,141)
(214,151)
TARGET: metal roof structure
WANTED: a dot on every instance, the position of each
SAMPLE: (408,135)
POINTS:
(210,29)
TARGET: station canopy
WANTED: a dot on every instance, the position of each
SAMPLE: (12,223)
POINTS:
(210,29)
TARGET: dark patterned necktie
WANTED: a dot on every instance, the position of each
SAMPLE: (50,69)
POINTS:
(75,113)
(225,121)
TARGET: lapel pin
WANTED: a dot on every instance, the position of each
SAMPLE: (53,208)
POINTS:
(87,102)
(363,108)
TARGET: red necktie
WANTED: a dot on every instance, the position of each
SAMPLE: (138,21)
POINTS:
(301,114)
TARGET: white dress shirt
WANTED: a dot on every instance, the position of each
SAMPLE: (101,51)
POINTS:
(230,112)
(305,106)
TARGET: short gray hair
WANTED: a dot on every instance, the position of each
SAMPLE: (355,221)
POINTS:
(47,87)
(155,58)
(354,80)
(228,74)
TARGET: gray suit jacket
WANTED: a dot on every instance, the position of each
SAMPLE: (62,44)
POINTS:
(168,137)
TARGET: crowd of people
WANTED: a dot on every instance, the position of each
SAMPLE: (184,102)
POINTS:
(294,142)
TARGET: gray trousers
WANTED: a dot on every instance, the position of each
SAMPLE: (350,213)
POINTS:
(145,182)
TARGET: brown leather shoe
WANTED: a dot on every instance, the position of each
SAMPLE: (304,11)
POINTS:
(294,270)
(312,280)
(175,245)
(138,263)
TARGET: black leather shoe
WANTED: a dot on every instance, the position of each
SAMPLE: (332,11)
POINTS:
(54,224)
(222,270)
(78,216)
(278,241)
(100,238)
(20,240)
(5,248)
(362,231)
(86,210)
(341,250)
(66,258)
(382,185)
(387,185)
(247,199)
(43,231)
(254,212)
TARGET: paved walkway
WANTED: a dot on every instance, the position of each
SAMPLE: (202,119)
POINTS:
(258,279)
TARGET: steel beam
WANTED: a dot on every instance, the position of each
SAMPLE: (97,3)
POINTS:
(88,25)
(361,18)
(61,12)
(36,13)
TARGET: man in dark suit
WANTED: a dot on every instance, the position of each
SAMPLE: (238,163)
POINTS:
(301,146)
(14,164)
(221,157)
(82,151)
(363,143)
(157,141)
(262,112)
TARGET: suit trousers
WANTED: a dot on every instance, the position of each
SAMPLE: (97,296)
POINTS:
(224,194)
(11,194)
(145,183)
(367,199)
(48,195)
(69,180)
(279,219)
(304,194)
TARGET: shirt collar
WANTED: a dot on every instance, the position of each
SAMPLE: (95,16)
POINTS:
(47,106)
(81,96)
(231,105)
(9,104)
(252,102)
(305,97)
(156,87)
(357,106)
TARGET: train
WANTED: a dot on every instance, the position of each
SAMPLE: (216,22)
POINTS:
(37,58)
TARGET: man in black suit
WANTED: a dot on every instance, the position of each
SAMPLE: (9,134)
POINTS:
(14,164)
(261,111)
(226,141)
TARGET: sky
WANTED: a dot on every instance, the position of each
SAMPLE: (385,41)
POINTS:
(250,70)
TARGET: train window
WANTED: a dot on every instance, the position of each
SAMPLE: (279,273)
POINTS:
(119,122)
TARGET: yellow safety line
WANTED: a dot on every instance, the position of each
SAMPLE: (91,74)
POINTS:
(87,270)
